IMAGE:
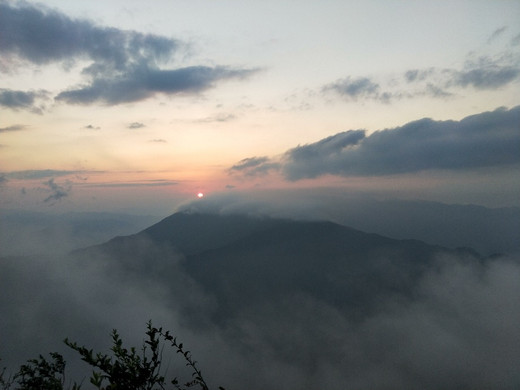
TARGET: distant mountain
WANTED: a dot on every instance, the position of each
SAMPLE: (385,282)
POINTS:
(488,230)
(25,233)
(244,260)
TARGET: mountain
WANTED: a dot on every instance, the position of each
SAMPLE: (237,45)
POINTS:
(267,303)
(243,260)
(488,230)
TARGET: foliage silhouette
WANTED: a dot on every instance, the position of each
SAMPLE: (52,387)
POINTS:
(122,369)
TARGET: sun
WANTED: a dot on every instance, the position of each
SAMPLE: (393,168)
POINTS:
(200,195)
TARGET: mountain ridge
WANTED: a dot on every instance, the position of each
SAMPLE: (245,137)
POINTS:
(242,260)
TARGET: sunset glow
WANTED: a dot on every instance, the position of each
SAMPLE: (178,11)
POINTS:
(227,103)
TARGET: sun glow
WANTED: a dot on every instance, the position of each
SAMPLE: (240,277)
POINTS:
(200,195)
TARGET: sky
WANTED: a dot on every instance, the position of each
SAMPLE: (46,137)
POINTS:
(136,107)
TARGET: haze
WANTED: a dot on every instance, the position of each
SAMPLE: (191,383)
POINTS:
(392,118)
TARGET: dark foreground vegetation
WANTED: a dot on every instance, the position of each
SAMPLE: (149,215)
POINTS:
(121,369)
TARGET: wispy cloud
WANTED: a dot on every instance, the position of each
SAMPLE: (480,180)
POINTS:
(12,128)
(136,125)
(497,33)
(218,118)
(126,64)
(484,72)
(41,174)
(355,88)
(481,73)
(515,41)
(58,191)
(141,183)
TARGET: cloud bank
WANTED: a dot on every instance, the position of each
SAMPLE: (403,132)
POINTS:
(124,65)
(489,139)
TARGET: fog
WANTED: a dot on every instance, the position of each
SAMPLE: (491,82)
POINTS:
(488,230)
(25,233)
(458,330)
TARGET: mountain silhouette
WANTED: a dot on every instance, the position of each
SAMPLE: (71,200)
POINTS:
(242,260)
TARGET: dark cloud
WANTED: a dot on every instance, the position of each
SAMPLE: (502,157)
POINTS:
(482,73)
(417,74)
(250,162)
(483,140)
(3,180)
(58,192)
(487,78)
(22,100)
(41,35)
(12,128)
(92,127)
(254,166)
(329,146)
(136,125)
(125,64)
(354,89)
(489,139)
(144,82)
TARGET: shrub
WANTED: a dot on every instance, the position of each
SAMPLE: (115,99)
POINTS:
(121,369)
